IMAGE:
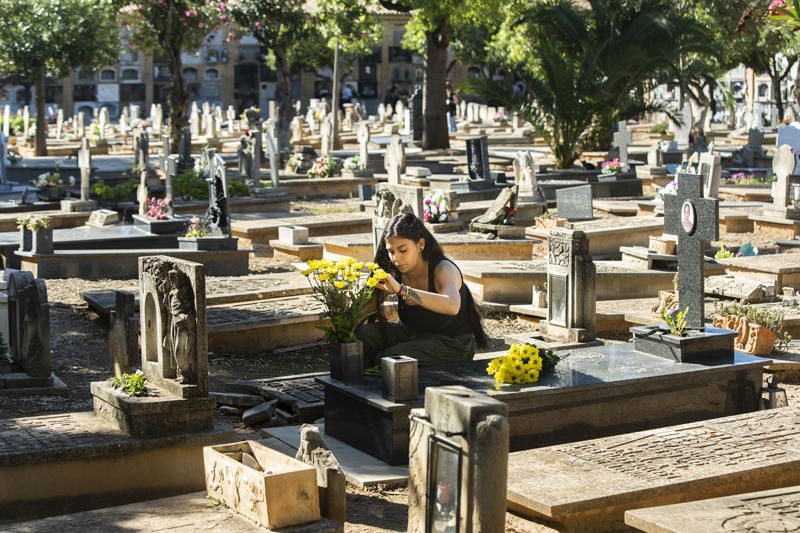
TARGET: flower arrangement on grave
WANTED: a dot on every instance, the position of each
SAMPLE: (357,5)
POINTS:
(435,208)
(353,164)
(22,221)
(609,167)
(523,364)
(785,12)
(132,384)
(201,167)
(50,179)
(723,253)
(759,331)
(743,178)
(344,288)
(35,223)
(686,168)
(323,167)
(157,208)
(508,215)
(198,227)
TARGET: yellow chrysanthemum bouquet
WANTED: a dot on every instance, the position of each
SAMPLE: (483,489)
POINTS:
(344,287)
(523,364)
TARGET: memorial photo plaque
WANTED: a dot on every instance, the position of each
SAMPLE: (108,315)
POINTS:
(558,303)
(688,217)
(444,482)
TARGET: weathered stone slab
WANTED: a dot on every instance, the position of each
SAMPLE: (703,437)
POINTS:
(755,512)
(589,485)
(783,269)
(456,246)
(748,290)
(236,399)
(263,228)
(607,235)
(187,513)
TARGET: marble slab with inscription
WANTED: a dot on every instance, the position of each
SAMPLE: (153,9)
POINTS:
(590,485)
(756,512)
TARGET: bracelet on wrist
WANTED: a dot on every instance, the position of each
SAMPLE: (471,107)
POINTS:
(400,290)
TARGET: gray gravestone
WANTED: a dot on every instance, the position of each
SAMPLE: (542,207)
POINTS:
(478,158)
(29,323)
(185,159)
(694,220)
(790,135)
(571,287)
(575,203)
(783,166)
(363,143)
(622,138)
(218,214)
(415,115)
(3,152)
(85,166)
(123,334)
(395,160)
(274,155)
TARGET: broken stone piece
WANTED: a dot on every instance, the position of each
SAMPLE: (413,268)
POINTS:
(259,413)
(230,411)
(236,399)
(250,461)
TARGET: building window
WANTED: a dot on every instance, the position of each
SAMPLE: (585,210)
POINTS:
(190,74)
(108,75)
(53,94)
(399,55)
(132,92)
(211,74)
(763,89)
(130,57)
(367,72)
(82,77)
(161,72)
(129,74)
(85,93)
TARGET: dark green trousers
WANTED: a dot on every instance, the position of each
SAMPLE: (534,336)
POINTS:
(427,348)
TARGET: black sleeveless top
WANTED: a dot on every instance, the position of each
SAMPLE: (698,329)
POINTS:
(426,321)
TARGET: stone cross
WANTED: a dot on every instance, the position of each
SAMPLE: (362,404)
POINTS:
(3,152)
(80,125)
(194,121)
(395,160)
(26,122)
(103,121)
(59,123)
(399,110)
(274,155)
(158,120)
(162,159)
(85,166)
(694,220)
(230,114)
(622,139)
(297,130)
(173,166)
(218,212)
(6,120)
(326,135)
(363,143)
(783,165)
(123,125)
(381,112)
(682,131)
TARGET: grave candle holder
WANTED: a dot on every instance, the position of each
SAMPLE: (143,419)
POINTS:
(400,378)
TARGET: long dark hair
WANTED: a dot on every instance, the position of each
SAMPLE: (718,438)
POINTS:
(409,226)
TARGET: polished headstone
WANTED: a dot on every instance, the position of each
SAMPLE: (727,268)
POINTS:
(575,203)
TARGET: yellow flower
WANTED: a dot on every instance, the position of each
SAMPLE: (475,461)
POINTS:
(372,282)
(323,277)
(332,270)
(372,266)
(350,260)
(358,265)
(380,274)
(529,351)
(340,284)
(307,272)
(313,264)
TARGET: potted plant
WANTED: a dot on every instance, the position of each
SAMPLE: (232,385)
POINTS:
(41,235)
(25,235)
(323,167)
(353,167)
(672,340)
(50,185)
(157,218)
(344,287)
(199,236)
(610,167)
(758,331)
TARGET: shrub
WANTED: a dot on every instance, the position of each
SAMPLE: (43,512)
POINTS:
(189,186)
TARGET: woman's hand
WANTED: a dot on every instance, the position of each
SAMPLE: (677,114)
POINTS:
(389,285)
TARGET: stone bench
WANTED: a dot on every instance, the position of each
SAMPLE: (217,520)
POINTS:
(754,512)
(456,246)
(590,485)
(124,264)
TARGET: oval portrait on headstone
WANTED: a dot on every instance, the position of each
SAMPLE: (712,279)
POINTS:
(688,217)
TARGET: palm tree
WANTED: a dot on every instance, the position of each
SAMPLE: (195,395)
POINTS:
(585,63)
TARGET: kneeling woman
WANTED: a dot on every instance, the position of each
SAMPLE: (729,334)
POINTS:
(438,319)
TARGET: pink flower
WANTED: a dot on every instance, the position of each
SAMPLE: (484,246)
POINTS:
(258,25)
(777,4)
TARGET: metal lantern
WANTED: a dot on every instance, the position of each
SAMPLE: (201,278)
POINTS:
(773,396)
(443,513)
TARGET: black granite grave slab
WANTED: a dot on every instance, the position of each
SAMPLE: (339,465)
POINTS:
(593,392)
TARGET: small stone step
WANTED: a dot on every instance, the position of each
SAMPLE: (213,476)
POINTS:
(236,399)
(260,413)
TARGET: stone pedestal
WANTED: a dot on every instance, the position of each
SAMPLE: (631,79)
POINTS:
(78,206)
(208,244)
(161,227)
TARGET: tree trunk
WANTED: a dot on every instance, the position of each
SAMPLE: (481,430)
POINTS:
(178,100)
(41,121)
(776,94)
(337,142)
(283,92)
(436,134)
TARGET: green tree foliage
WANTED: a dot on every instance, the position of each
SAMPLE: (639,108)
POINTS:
(584,64)
(40,38)
(168,27)
(432,23)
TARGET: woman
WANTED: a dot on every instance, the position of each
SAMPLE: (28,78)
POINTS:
(438,319)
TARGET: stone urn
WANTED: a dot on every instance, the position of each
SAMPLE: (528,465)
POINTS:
(42,241)
(347,361)
(750,338)
(25,239)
